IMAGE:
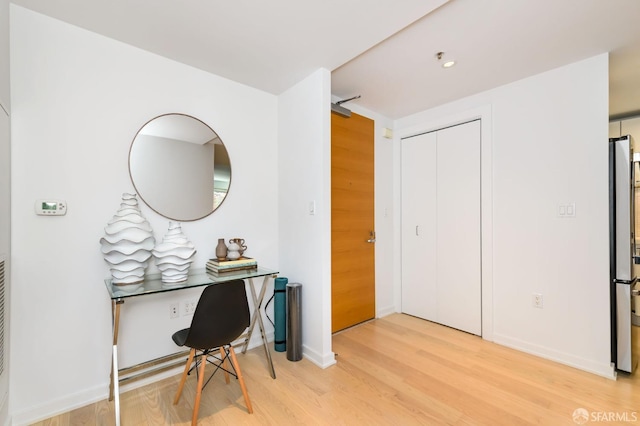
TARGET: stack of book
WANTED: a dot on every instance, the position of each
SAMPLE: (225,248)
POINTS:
(216,266)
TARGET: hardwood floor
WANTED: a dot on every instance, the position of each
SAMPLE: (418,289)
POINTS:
(398,370)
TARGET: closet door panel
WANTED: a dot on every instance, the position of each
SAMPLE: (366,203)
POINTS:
(419,226)
(458,227)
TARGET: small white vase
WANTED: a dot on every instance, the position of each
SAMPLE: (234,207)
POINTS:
(233,252)
(174,255)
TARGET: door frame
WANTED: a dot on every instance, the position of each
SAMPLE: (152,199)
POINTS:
(484,114)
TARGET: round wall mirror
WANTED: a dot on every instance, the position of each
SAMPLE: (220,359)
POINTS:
(179,167)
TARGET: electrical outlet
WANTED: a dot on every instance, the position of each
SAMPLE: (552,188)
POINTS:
(188,307)
(537,300)
(173,311)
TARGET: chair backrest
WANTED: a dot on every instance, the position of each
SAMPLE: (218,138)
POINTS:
(221,316)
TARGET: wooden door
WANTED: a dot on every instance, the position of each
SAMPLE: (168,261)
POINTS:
(352,221)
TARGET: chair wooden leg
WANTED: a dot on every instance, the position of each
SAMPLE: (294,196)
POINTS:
(196,405)
(234,360)
(225,364)
(192,352)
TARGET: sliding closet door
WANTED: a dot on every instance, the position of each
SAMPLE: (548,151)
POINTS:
(458,229)
(419,226)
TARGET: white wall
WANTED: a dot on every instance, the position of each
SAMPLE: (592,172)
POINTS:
(304,162)
(5,151)
(5,231)
(4,54)
(78,99)
(5,191)
(548,143)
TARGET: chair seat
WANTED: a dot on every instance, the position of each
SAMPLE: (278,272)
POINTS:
(180,337)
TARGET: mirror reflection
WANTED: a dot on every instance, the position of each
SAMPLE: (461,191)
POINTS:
(179,167)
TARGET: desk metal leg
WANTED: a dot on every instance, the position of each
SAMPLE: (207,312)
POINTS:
(254,317)
(114,388)
(115,383)
(257,302)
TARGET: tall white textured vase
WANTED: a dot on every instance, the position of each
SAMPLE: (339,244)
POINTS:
(174,255)
(127,244)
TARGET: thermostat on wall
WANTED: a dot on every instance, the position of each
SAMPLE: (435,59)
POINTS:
(51,207)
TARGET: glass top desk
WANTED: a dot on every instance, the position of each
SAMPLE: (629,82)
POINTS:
(152,284)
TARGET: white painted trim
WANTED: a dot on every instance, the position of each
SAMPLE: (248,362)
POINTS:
(397,224)
(328,357)
(4,377)
(61,405)
(318,359)
(387,310)
(485,114)
(4,409)
(604,370)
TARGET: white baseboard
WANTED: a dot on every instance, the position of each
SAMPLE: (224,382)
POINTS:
(99,393)
(61,405)
(601,369)
(5,418)
(322,361)
(383,312)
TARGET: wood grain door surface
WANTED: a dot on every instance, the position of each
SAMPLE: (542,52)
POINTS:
(352,221)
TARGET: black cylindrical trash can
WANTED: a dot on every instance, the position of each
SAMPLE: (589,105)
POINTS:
(294,321)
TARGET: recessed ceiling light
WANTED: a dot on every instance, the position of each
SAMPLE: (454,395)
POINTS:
(447,64)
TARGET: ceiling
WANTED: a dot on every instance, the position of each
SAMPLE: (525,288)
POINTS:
(383,50)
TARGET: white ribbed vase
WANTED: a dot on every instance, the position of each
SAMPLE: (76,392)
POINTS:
(174,255)
(127,244)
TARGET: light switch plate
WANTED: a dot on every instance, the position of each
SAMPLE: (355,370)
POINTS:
(567,210)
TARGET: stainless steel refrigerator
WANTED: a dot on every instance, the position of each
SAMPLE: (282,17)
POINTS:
(622,249)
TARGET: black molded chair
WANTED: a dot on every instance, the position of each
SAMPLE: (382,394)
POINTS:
(221,316)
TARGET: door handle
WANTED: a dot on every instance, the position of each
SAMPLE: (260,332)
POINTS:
(635,292)
(372,237)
